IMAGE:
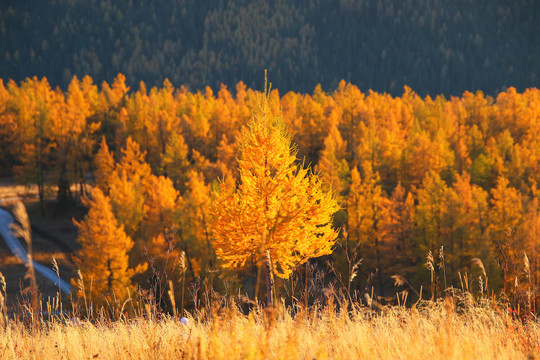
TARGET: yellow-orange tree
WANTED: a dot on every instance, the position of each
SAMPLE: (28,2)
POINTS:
(103,257)
(277,213)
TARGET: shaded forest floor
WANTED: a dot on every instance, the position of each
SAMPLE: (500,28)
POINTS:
(54,236)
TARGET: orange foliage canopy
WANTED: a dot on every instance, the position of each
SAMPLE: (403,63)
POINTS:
(103,257)
(278,207)
(460,173)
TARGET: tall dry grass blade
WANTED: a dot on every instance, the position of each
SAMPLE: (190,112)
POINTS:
(481,284)
(480,264)
(400,281)
(171,297)
(80,285)
(526,265)
(430,264)
(527,272)
(442,266)
(121,313)
(183,269)
(354,270)
(23,230)
(56,269)
(3,296)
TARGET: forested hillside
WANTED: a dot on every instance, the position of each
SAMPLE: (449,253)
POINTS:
(435,47)
(412,174)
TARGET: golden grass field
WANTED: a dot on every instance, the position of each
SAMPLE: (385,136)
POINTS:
(433,331)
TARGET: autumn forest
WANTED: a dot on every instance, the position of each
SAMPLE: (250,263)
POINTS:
(405,178)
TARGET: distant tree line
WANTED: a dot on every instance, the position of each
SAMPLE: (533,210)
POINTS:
(435,47)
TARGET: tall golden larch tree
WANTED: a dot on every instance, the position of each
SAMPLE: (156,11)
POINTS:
(34,103)
(278,213)
(396,230)
(110,108)
(161,201)
(465,220)
(506,213)
(8,127)
(429,214)
(333,164)
(160,205)
(103,257)
(133,161)
(194,222)
(530,236)
(174,161)
(366,207)
(127,190)
(104,166)
(73,134)
(127,199)
(506,209)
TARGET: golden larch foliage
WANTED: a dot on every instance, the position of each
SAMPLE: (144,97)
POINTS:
(194,219)
(103,257)
(127,187)
(160,204)
(333,162)
(278,207)
(104,166)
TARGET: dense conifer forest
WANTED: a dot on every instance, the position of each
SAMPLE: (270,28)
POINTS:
(435,47)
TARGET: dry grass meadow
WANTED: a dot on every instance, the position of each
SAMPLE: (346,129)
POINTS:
(438,330)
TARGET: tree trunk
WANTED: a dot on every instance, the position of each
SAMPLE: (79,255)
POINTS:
(33,285)
(208,246)
(62,196)
(377,253)
(379,268)
(110,277)
(41,190)
(306,293)
(257,283)
(269,280)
